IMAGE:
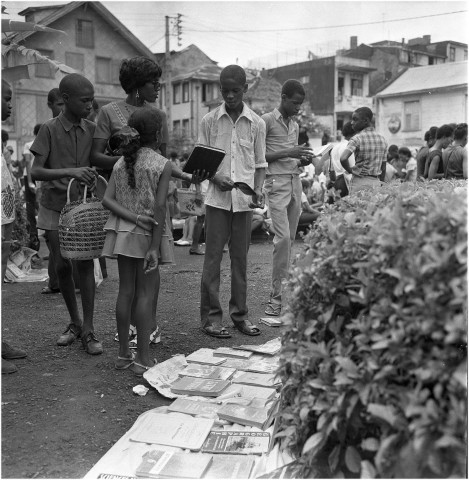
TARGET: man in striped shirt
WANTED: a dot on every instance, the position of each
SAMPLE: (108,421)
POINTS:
(369,148)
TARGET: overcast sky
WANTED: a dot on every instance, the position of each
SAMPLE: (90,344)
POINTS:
(265,33)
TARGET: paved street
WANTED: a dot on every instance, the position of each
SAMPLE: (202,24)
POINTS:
(64,409)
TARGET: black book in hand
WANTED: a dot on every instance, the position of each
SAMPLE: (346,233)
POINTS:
(245,188)
(205,158)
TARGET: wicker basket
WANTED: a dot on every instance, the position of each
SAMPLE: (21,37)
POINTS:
(190,202)
(81,227)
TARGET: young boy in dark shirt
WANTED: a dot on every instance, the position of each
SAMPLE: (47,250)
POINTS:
(62,150)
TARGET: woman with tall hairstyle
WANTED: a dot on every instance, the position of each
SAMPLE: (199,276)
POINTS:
(140,79)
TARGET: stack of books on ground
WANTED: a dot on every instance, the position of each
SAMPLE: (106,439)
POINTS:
(229,372)
(203,451)
(164,444)
(272,347)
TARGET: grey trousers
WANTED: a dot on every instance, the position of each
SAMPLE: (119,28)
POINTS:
(222,226)
(284,196)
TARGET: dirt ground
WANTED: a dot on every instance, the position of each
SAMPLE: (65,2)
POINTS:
(64,409)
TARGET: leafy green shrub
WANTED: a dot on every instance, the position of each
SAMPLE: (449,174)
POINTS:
(374,364)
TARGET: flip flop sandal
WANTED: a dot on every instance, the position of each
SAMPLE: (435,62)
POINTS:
(123,363)
(247,329)
(217,333)
(138,369)
(273,309)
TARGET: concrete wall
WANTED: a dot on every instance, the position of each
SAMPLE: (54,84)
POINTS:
(322,86)
(436,109)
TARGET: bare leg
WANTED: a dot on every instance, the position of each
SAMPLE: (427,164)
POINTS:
(85,270)
(144,294)
(65,277)
(125,299)
(197,231)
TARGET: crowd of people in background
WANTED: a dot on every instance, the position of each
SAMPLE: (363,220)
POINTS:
(126,143)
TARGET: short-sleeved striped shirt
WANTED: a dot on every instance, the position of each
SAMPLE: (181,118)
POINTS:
(370,150)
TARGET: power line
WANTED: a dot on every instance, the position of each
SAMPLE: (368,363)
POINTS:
(296,29)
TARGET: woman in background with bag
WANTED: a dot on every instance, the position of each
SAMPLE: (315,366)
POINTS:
(136,231)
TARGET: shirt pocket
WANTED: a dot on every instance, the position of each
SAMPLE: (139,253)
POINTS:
(269,185)
(248,145)
(292,139)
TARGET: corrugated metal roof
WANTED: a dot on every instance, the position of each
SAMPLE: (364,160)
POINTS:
(208,72)
(444,75)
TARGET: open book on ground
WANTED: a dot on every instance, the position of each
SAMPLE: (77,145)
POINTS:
(262,364)
(230,466)
(204,157)
(231,353)
(207,371)
(173,430)
(249,391)
(205,357)
(246,415)
(271,347)
(164,464)
(257,379)
(193,407)
(199,386)
(237,442)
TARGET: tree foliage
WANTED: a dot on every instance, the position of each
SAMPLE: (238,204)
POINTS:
(374,364)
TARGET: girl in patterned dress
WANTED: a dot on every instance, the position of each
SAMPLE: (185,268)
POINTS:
(136,196)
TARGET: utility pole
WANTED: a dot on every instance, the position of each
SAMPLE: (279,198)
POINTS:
(167,78)
(167,64)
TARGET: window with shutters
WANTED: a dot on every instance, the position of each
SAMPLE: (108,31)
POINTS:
(176,93)
(84,33)
(107,71)
(185,92)
(357,84)
(452,54)
(185,127)
(412,115)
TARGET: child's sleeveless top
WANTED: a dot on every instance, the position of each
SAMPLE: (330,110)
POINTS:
(147,171)
(124,237)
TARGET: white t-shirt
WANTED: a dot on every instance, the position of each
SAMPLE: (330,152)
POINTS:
(411,166)
(27,148)
(336,153)
(390,172)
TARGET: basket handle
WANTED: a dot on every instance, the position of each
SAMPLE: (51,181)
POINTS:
(86,188)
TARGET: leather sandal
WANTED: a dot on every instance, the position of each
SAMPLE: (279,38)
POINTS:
(216,332)
(247,328)
(122,363)
(138,369)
